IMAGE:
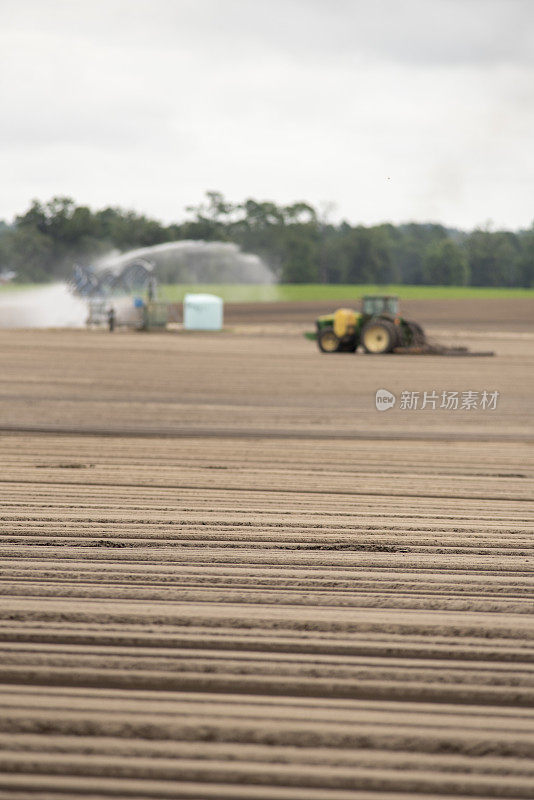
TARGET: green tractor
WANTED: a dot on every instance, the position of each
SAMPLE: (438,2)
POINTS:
(378,327)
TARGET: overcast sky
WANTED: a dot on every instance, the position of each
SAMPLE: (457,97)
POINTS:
(391,110)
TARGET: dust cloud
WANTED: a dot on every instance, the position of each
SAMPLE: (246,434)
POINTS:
(52,306)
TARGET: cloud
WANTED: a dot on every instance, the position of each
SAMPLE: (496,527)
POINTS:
(412,31)
(148,104)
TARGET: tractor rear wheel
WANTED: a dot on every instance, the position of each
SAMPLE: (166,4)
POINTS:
(379,336)
(328,341)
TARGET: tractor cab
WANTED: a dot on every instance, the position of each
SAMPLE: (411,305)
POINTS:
(376,305)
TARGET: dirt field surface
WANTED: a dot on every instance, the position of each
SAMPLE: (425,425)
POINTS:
(224,574)
(513,314)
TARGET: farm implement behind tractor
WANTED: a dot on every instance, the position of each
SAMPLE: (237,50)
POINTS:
(378,328)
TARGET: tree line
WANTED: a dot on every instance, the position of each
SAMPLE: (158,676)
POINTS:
(297,242)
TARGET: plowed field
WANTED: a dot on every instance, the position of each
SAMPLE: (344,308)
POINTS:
(224,574)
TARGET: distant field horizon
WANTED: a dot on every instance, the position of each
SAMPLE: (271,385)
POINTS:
(243,293)
(255,293)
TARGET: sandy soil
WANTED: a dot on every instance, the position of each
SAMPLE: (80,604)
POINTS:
(224,574)
(513,314)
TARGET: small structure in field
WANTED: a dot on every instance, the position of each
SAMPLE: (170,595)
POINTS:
(203,312)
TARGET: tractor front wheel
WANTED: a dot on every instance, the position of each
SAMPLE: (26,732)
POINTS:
(328,341)
(379,336)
